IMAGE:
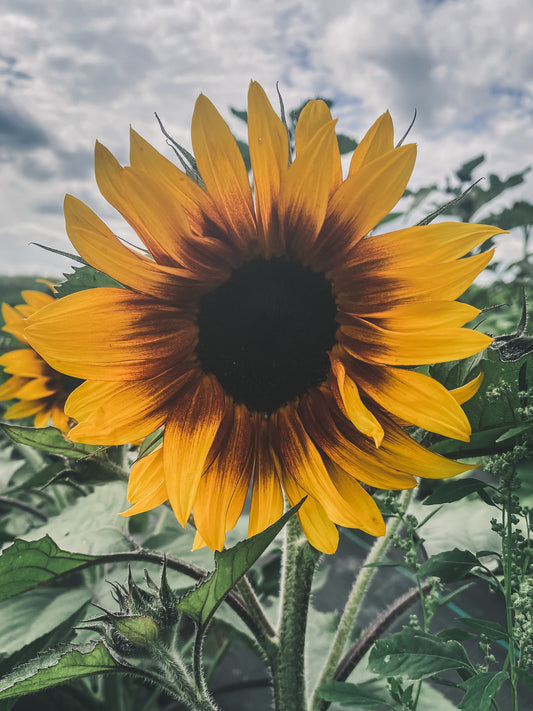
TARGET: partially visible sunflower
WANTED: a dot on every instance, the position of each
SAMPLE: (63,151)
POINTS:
(262,332)
(40,390)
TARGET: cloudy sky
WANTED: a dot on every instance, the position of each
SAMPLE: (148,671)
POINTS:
(72,71)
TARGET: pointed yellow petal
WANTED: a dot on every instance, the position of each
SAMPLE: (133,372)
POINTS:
(319,529)
(467,391)
(146,486)
(267,498)
(37,388)
(415,398)
(365,509)
(24,362)
(24,408)
(269,154)
(222,169)
(37,299)
(421,315)
(14,322)
(314,115)
(189,433)
(111,334)
(10,388)
(378,140)
(373,344)
(351,402)
(222,489)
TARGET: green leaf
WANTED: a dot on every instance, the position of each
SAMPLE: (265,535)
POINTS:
(514,431)
(82,278)
(481,690)
(361,696)
(57,667)
(493,630)
(416,655)
(27,564)
(453,490)
(231,564)
(526,677)
(245,153)
(48,439)
(449,565)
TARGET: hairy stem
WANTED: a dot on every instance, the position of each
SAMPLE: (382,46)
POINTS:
(355,599)
(507,560)
(288,665)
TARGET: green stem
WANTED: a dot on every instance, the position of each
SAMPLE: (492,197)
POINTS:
(288,665)
(507,559)
(264,632)
(355,600)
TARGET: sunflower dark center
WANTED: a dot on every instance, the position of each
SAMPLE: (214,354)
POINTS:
(266,332)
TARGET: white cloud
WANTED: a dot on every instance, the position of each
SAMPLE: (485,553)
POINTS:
(75,71)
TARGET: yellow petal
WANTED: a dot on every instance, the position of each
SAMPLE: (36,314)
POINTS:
(222,169)
(146,486)
(37,299)
(24,362)
(222,489)
(111,334)
(373,344)
(10,388)
(467,391)
(24,408)
(319,529)
(417,399)
(421,315)
(189,433)
(366,510)
(267,499)
(351,402)
(378,140)
(14,322)
(269,154)
(314,115)
(37,388)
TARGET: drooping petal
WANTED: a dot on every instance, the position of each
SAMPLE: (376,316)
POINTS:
(146,485)
(111,334)
(117,413)
(413,397)
(267,498)
(467,391)
(223,171)
(190,430)
(222,489)
(347,395)
(269,155)
(318,527)
(378,140)
(14,322)
(421,315)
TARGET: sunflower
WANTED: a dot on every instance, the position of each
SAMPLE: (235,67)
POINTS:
(262,333)
(41,391)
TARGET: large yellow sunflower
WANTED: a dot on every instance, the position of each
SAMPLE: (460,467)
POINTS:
(39,390)
(263,332)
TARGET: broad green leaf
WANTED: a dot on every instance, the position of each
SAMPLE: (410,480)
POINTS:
(481,690)
(526,677)
(416,655)
(59,666)
(48,439)
(514,431)
(449,565)
(362,696)
(453,490)
(493,630)
(27,564)
(35,614)
(82,278)
(231,564)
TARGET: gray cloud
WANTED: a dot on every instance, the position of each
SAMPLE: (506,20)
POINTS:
(18,130)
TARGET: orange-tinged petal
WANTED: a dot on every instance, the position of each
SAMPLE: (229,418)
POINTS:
(37,299)
(118,413)
(412,246)
(314,115)
(37,388)
(365,508)
(421,315)
(42,418)
(467,391)
(415,398)
(95,242)
(378,140)
(350,401)
(373,344)
(10,388)
(190,430)
(269,155)
(222,489)
(305,190)
(319,529)
(24,408)
(223,171)
(146,475)
(14,322)
(111,334)
(194,199)
(25,363)
(267,498)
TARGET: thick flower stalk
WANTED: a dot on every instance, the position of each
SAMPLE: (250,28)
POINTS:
(39,390)
(266,333)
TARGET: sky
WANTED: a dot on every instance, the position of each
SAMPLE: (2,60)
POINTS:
(75,71)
